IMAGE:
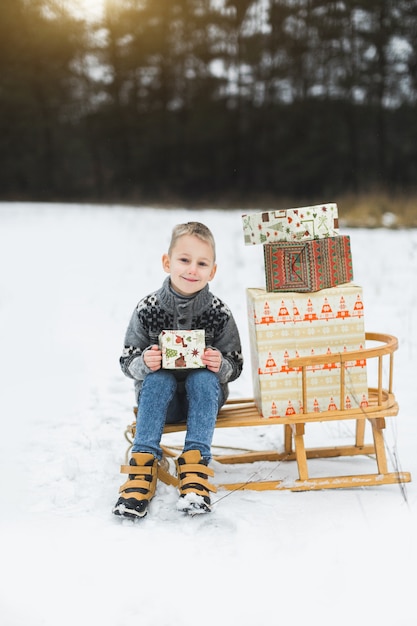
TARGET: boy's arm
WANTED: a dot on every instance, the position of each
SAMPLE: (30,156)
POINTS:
(135,345)
(228,343)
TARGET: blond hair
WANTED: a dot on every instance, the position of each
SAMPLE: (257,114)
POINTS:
(192,228)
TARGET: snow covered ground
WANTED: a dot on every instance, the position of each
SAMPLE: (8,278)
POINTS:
(70,278)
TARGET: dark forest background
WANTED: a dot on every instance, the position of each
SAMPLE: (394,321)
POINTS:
(205,100)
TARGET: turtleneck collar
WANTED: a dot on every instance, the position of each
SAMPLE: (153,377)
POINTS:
(184,308)
(180,295)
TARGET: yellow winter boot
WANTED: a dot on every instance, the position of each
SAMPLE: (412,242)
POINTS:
(139,489)
(194,487)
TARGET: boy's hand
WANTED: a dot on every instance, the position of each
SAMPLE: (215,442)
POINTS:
(212,359)
(153,358)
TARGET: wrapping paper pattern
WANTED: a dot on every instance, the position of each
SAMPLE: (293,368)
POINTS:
(182,349)
(286,325)
(308,265)
(304,223)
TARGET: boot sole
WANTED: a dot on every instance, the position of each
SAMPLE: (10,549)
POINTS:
(193,504)
(122,511)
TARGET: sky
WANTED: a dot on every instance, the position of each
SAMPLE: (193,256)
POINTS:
(88,8)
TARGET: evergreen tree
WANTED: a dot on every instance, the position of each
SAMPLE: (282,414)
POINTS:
(38,91)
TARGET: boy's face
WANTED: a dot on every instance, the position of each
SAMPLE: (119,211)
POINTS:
(191,265)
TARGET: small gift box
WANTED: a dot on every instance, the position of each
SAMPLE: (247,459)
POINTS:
(182,349)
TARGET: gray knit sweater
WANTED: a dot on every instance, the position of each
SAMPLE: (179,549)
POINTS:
(166,310)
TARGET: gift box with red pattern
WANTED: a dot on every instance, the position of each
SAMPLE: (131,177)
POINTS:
(308,265)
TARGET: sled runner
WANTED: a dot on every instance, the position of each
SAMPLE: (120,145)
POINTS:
(381,404)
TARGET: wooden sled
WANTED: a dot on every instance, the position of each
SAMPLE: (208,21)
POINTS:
(238,413)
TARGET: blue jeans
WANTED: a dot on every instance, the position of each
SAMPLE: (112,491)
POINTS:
(160,402)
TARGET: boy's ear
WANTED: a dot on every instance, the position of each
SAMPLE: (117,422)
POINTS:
(213,272)
(165,263)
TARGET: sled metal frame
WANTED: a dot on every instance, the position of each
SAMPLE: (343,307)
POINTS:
(239,413)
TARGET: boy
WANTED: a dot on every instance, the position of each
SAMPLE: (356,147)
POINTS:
(184,302)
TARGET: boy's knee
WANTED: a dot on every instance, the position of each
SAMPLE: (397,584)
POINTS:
(201,379)
(161,377)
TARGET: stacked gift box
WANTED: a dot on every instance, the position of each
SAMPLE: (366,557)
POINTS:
(310,306)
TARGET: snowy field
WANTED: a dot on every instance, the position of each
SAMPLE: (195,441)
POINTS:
(70,278)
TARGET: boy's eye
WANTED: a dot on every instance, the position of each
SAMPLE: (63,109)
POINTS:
(186,260)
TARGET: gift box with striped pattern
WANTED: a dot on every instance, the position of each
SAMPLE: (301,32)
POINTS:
(307,266)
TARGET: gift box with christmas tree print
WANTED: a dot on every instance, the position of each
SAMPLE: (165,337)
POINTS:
(182,349)
(301,224)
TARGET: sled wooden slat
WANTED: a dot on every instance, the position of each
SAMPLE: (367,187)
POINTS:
(327,452)
(330,482)
(242,412)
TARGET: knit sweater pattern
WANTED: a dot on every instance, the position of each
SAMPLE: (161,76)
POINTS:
(165,310)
